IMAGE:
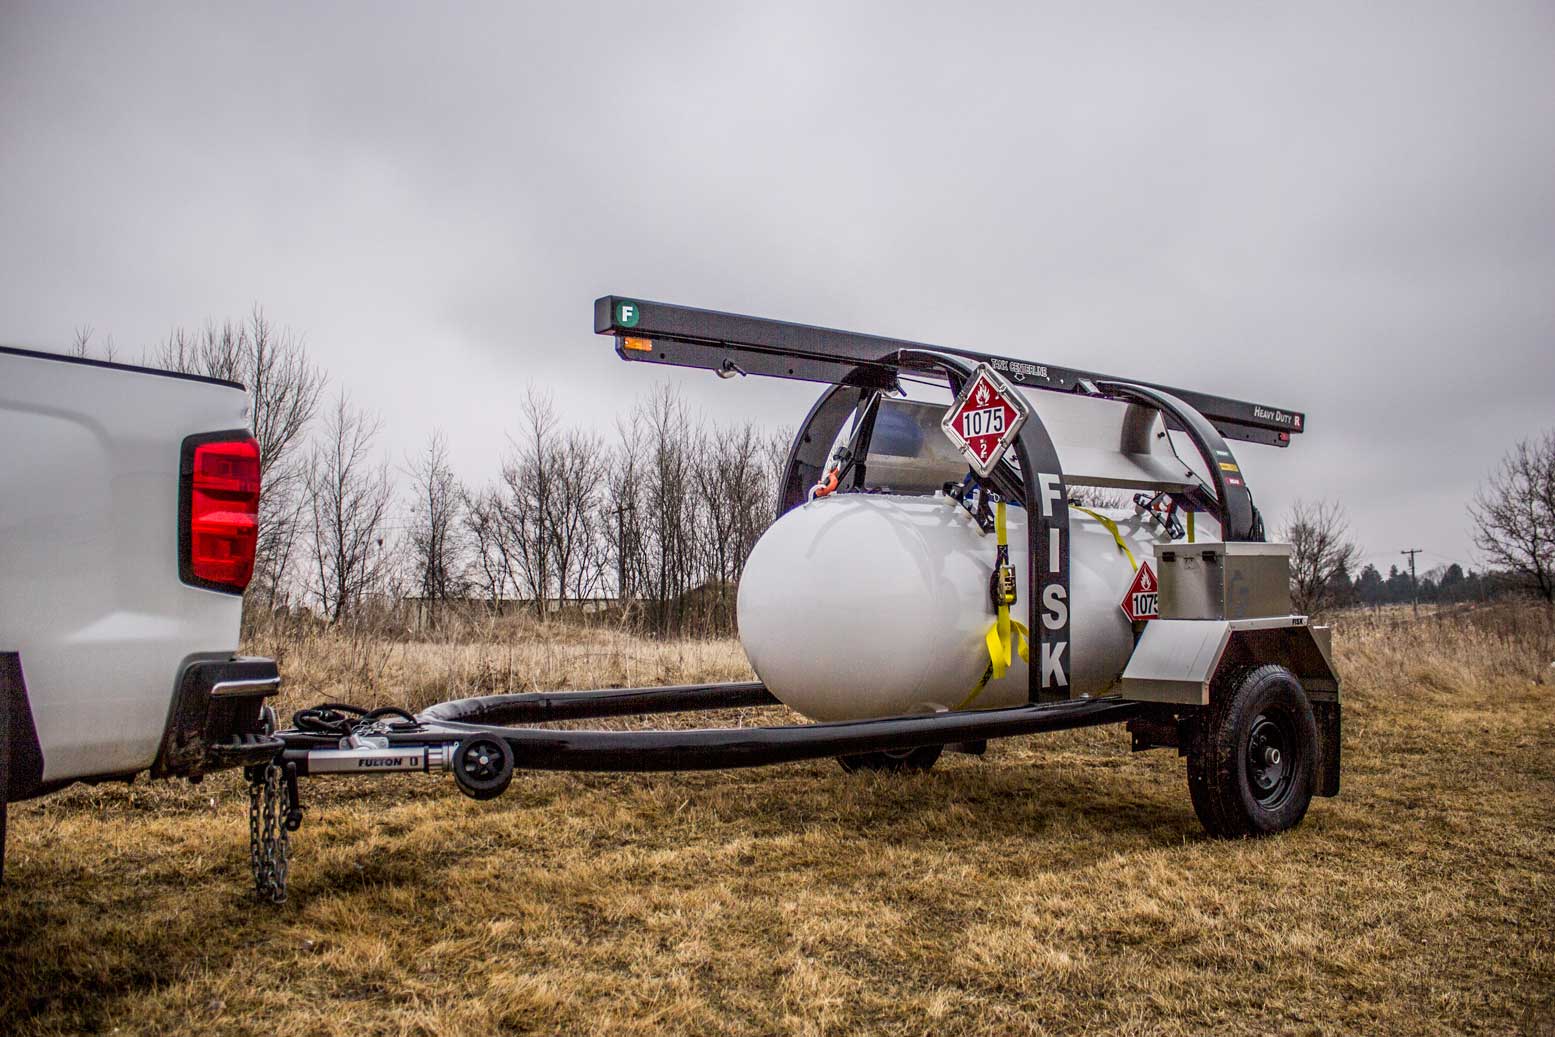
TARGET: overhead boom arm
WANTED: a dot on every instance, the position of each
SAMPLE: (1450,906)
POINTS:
(683,336)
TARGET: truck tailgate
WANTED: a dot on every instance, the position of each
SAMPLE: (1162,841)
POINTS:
(90,595)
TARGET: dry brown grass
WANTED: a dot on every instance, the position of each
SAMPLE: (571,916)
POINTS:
(1058,885)
(510,654)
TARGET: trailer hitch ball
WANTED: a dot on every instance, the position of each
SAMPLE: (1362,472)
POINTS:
(483,766)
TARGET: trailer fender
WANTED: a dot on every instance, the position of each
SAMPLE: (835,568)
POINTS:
(1179,661)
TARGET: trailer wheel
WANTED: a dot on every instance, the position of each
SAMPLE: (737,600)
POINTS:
(483,766)
(893,760)
(1254,769)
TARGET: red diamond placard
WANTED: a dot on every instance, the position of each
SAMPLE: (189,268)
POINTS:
(1143,598)
(985,419)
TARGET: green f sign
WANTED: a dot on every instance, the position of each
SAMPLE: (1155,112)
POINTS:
(627,314)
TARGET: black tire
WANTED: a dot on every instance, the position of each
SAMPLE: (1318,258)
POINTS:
(483,766)
(1254,769)
(893,760)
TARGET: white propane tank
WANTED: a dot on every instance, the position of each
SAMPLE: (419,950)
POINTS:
(868,605)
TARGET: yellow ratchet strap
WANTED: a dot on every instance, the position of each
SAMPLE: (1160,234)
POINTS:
(1006,636)
(1112,527)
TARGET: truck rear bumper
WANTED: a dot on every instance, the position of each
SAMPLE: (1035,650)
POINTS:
(217,709)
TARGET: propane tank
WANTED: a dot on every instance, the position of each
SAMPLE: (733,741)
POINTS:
(868,605)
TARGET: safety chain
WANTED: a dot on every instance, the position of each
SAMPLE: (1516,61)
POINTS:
(269,842)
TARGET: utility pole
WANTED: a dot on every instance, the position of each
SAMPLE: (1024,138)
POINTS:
(1414,584)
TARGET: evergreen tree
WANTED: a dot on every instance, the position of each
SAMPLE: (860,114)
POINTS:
(1453,583)
(1399,589)
(1341,587)
(1369,589)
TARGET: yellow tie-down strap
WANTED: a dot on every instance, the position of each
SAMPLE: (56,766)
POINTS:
(1007,636)
(1112,527)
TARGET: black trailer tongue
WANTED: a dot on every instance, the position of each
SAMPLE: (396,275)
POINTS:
(468,738)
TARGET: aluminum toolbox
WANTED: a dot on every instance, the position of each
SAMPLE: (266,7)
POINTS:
(1215,580)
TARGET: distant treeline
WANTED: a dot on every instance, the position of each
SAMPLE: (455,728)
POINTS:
(1445,585)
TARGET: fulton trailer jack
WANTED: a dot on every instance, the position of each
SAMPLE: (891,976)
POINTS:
(1224,625)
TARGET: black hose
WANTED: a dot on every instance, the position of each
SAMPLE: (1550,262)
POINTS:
(342,719)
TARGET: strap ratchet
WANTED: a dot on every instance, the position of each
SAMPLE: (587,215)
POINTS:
(1007,636)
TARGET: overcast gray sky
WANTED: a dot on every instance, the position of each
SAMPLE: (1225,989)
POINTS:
(1347,209)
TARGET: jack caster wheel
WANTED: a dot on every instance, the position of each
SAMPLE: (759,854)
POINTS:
(483,766)
(893,760)
(1255,768)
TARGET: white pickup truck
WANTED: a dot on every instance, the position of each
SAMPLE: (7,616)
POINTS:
(128,516)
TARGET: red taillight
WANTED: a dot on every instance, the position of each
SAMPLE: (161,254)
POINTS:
(223,513)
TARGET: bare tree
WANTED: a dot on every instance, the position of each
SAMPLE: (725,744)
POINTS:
(81,345)
(436,535)
(735,492)
(661,429)
(530,476)
(1515,515)
(213,351)
(1320,552)
(623,497)
(348,502)
(284,387)
(491,564)
(775,450)
(579,467)
(588,575)
(281,527)
(683,506)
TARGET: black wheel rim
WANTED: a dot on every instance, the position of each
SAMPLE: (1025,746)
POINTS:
(482,762)
(1271,763)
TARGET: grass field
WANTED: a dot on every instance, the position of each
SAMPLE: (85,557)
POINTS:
(1057,885)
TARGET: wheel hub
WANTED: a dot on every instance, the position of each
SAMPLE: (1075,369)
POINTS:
(480,766)
(1269,770)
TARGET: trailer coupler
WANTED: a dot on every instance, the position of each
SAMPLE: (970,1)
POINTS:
(376,758)
(482,764)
